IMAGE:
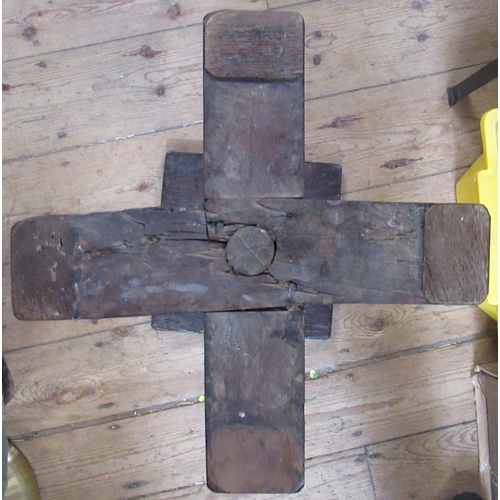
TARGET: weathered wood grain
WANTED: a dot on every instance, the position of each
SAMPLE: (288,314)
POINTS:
(395,133)
(394,398)
(63,250)
(322,181)
(357,45)
(22,334)
(102,374)
(127,263)
(318,321)
(253,140)
(254,45)
(155,260)
(378,331)
(420,189)
(102,92)
(183,188)
(354,252)
(254,361)
(30,29)
(165,463)
(183,181)
(254,410)
(397,467)
(445,234)
(369,404)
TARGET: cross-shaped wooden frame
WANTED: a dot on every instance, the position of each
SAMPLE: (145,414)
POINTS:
(252,246)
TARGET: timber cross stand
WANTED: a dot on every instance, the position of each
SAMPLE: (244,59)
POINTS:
(251,246)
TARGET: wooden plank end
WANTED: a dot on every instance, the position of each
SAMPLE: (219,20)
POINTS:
(43,284)
(456,247)
(254,45)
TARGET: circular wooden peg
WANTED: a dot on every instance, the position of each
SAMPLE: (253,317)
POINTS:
(250,251)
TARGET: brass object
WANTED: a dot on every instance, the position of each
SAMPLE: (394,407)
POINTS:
(22,484)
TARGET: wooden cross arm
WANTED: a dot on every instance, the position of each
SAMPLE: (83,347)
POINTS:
(154,261)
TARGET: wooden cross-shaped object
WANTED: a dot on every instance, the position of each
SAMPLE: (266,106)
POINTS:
(252,246)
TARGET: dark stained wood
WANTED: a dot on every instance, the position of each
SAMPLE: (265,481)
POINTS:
(250,251)
(179,322)
(322,181)
(253,146)
(254,45)
(355,251)
(352,251)
(43,284)
(183,181)
(253,139)
(128,263)
(52,256)
(182,189)
(149,261)
(318,321)
(254,388)
(456,253)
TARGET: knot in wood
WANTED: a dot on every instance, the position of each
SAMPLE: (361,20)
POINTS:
(250,251)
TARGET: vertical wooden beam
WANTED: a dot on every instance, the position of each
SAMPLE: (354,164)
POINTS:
(254,146)
(253,85)
(254,387)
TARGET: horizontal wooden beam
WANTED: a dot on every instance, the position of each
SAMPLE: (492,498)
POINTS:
(149,261)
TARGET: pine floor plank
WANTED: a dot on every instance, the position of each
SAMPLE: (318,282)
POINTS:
(31,29)
(374,332)
(102,92)
(434,465)
(341,476)
(164,452)
(428,188)
(119,92)
(417,39)
(123,459)
(393,398)
(106,374)
(398,132)
(96,376)
(109,176)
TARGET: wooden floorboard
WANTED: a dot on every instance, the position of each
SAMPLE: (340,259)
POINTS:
(398,467)
(31,28)
(408,43)
(345,410)
(94,96)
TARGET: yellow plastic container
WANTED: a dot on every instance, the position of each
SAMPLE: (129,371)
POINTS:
(480,185)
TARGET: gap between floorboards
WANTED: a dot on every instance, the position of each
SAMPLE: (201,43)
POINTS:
(199,399)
